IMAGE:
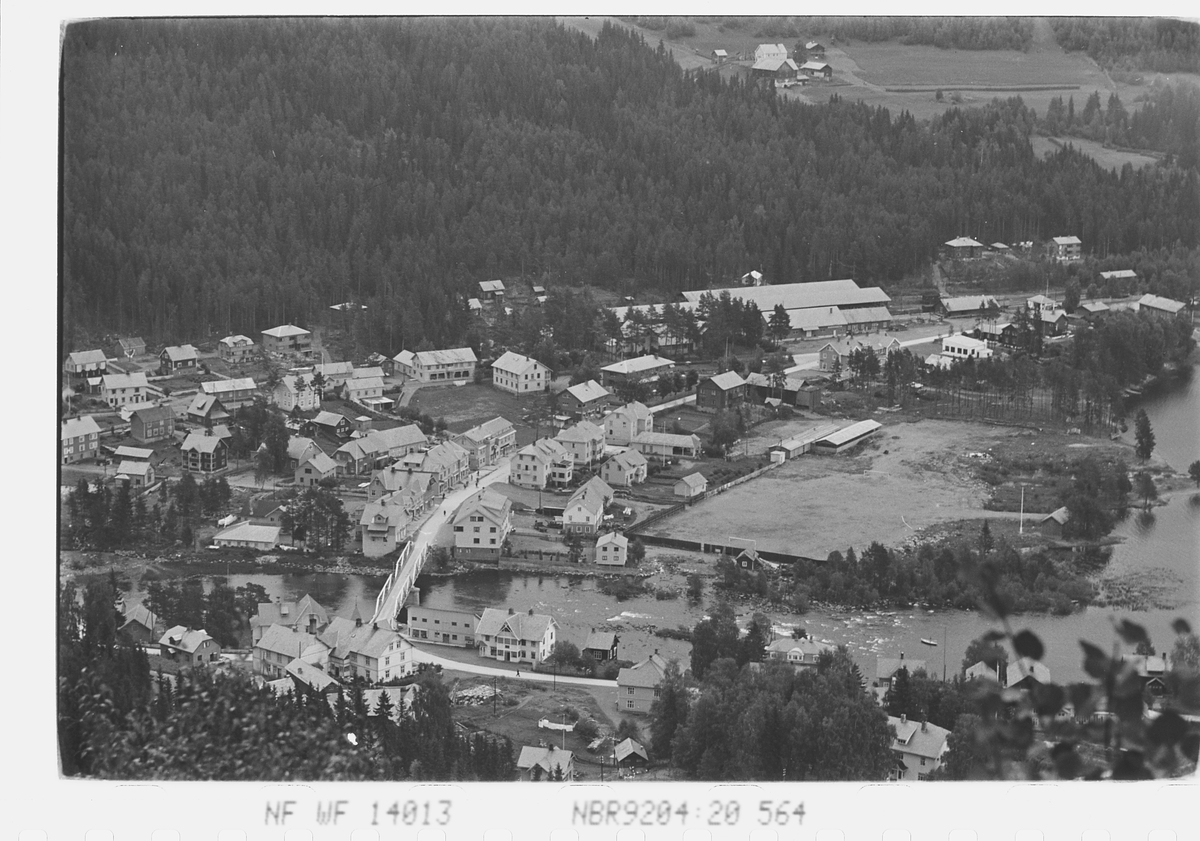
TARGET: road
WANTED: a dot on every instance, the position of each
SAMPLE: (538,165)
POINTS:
(428,535)
(423,656)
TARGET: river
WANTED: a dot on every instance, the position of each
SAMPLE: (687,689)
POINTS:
(1164,547)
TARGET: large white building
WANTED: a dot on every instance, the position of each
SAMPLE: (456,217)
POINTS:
(622,425)
(482,524)
(431,366)
(124,389)
(519,374)
(515,637)
(544,462)
(80,439)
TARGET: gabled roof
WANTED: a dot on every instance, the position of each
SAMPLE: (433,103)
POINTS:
(298,446)
(284,331)
(548,759)
(346,638)
(203,404)
(395,477)
(628,748)
(369,371)
(969,303)
(615,538)
(814,65)
(75,427)
(964,242)
(648,673)
(474,304)
(184,639)
(201,443)
(324,418)
(727,380)
(133,453)
(885,667)
(639,411)
(649,362)
(444,454)
(583,432)
(1060,516)
(334,369)
(134,468)
(1026,667)
(822,293)
(491,429)
(289,382)
(236,341)
(545,449)
(364,383)
(491,286)
(140,614)
(773,63)
(1159,303)
(219,387)
(322,462)
(629,459)
(282,639)
(132,343)
(1120,274)
(492,504)
(593,496)
(600,640)
(515,363)
(666,439)
(1094,306)
(180,353)
(1067,241)
(250,532)
(589,391)
(87,357)
(288,613)
(981,671)
(525,626)
(805,646)
(310,675)
(918,737)
(383,514)
(449,356)
(695,481)
(134,380)
(383,440)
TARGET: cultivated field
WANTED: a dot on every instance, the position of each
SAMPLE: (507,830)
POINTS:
(909,477)
(469,405)
(1108,158)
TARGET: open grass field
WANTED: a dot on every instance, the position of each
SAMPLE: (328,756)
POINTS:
(909,477)
(470,405)
(1107,158)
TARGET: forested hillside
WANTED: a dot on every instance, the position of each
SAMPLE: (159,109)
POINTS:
(1158,44)
(226,176)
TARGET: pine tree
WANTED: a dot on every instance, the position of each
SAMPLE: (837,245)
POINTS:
(1144,435)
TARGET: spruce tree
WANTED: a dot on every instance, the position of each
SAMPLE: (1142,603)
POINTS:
(1144,435)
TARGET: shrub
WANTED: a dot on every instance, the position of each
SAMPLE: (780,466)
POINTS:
(587,729)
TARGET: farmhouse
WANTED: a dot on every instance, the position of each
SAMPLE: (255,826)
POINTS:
(300,449)
(641,369)
(1051,322)
(691,486)
(491,289)
(970,306)
(630,754)
(245,535)
(1092,309)
(1026,673)
(1065,249)
(515,637)
(720,392)
(430,366)
(153,423)
(637,686)
(232,393)
(288,340)
(817,70)
(235,349)
(918,747)
(665,445)
(774,67)
(584,441)
(487,443)
(141,625)
(585,399)
(119,390)
(815,48)
(519,374)
(442,626)
(86,363)
(612,549)
(482,524)
(172,360)
(622,425)
(1162,307)
(544,462)
(720,56)
(845,439)
(624,470)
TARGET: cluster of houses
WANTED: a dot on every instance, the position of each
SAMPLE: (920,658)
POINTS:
(1059,249)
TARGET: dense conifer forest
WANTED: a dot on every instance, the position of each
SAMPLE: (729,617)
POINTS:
(226,176)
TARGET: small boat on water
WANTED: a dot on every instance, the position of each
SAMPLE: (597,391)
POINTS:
(928,641)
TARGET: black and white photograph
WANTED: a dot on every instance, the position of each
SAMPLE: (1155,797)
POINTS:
(627,400)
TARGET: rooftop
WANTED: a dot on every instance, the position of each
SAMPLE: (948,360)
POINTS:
(823,293)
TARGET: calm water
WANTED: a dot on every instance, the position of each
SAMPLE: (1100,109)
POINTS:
(1165,547)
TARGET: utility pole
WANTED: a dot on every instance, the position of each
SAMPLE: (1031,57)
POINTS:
(493,696)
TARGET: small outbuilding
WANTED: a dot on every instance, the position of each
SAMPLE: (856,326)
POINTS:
(691,486)
(847,438)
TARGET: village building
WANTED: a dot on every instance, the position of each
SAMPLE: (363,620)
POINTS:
(964,347)
(1052,524)
(1065,249)
(982,671)
(442,626)
(1091,310)
(488,443)
(543,463)
(80,439)
(295,392)
(248,536)
(481,525)
(584,441)
(624,470)
(1159,306)
(774,67)
(963,248)
(236,349)
(970,306)
(835,356)
(817,70)
(306,614)
(519,374)
(433,366)
(415,490)
(752,278)
(1051,322)
(192,648)
(814,48)
(127,453)
(141,625)
(334,424)
(203,453)
(207,411)
(585,399)
(119,390)
(314,470)
(1026,673)
(1120,274)
(367,391)
(721,392)
(770,51)
(820,308)
(367,652)
(333,374)
(641,369)
(720,56)
(1151,669)
(279,645)
(232,393)
(795,390)
(846,438)
(131,347)
(630,756)
(549,763)
(490,290)
(449,462)
(474,305)
(382,525)
(288,340)
(365,454)
(691,486)
(664,446)
(139,475)
(887,667)
(176,359)
(515,637)
(300,449)
(637,685)
(918,746)
(601,645)
(622,425)
(307,677)
(612,549)
(798,653)
(584,511)
(86,363)
(997,333)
